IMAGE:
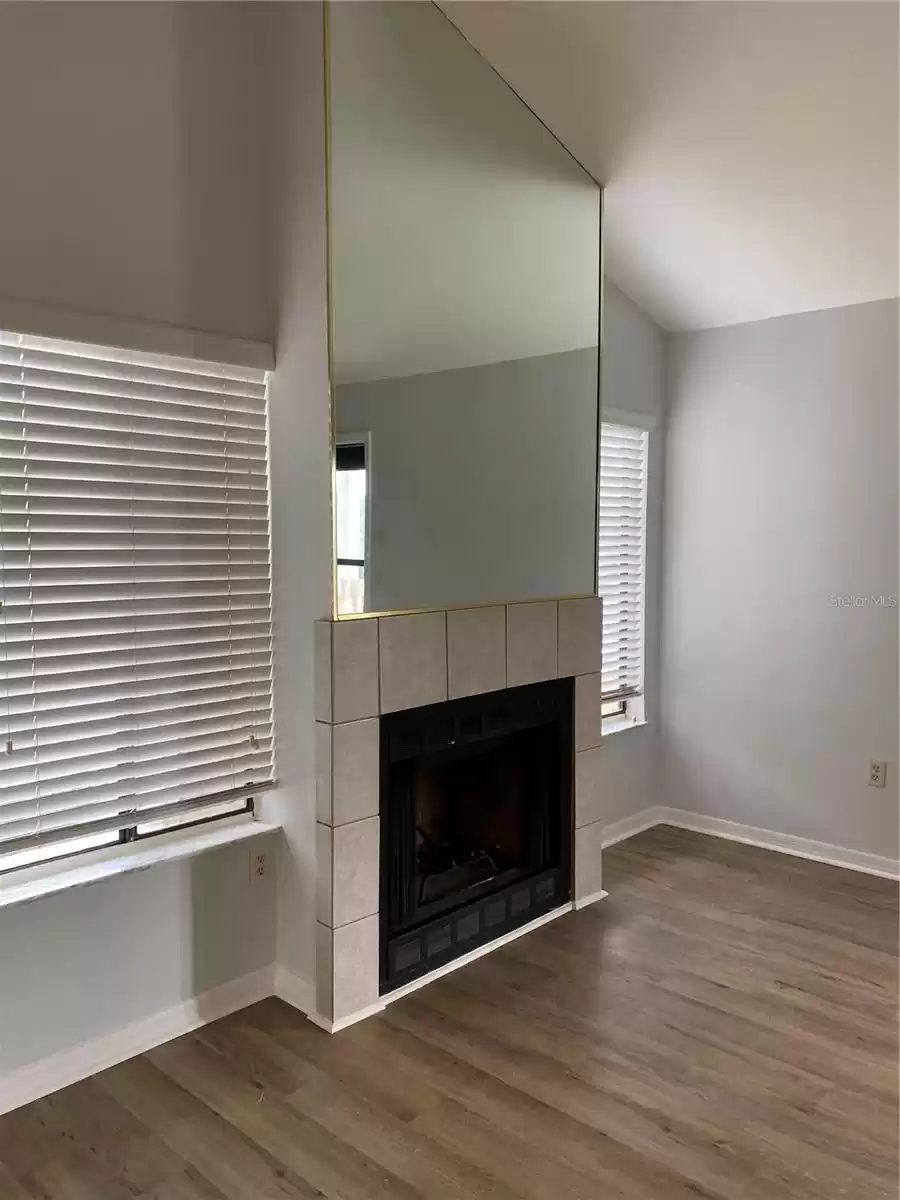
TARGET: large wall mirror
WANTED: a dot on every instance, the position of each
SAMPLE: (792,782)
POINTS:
(465,297)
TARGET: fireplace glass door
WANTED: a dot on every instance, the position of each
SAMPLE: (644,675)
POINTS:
(475,817)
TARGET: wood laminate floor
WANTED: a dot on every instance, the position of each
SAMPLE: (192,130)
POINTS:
(724,1025)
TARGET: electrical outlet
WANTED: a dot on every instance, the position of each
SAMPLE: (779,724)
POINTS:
(877,774)
(259,865)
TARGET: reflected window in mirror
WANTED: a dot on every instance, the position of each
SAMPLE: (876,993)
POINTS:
(621,568)
(351,521)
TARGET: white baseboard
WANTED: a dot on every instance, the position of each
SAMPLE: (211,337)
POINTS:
(57,1071)
(294,990)
(751,835)
(361,1014)
(619,831)
(585,901)
(301,994)
(784,843)
(464,959)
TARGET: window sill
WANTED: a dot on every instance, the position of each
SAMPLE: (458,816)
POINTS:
(620,724)
(46,879)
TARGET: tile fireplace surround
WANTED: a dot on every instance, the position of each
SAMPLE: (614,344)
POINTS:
(372,666)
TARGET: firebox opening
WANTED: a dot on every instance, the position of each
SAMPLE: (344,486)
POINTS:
(471,818)
(475,822)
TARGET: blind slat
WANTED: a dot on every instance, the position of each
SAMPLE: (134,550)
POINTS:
(135,629)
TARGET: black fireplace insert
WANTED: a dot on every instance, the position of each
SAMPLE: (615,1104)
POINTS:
(475,799)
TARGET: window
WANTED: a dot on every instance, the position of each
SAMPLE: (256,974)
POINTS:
(135,629)
(622,527)
(351,521)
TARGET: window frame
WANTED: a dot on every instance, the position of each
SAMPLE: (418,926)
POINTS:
(626,709)
(237,807)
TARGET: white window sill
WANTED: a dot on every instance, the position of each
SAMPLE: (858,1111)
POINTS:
(45,879)
(613,725)
(632,718)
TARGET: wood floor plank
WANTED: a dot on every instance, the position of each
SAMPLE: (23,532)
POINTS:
(208,1143)
(724,1026)
(10,1188)
(335,1167)
(385,1133)
(187,1186)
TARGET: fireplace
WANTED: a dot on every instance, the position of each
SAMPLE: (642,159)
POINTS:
(475,804)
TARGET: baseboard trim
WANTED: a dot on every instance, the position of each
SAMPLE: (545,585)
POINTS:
(56,1071)
(361,1014)
(295,990)
(752,835)
(627,827)
(370,1010)
(783,843)
(585,901)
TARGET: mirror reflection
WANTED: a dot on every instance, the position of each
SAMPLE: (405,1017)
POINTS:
(465,250)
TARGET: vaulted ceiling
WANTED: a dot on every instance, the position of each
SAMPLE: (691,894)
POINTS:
(749,147)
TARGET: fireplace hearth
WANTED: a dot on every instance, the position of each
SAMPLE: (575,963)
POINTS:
(476,818)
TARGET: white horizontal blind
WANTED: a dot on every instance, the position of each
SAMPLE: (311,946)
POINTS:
(135,630)
(621,556)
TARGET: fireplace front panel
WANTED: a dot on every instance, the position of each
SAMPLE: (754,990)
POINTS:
(475,820)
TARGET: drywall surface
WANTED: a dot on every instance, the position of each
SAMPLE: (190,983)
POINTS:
(83,964)
(132,150)
(633,382)
(779,630)
(299,462)
(483,481)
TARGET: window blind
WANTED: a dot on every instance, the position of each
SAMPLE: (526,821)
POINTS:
(622,526)
(135,628)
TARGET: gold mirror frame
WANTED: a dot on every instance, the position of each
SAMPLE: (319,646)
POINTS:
(332,422)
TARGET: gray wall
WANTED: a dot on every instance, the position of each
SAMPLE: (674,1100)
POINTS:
(781,495)
(85,963)
(633,381)
(299,460)
(132,149)
(483,481)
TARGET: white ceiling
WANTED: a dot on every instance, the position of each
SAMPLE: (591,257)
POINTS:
(749,148)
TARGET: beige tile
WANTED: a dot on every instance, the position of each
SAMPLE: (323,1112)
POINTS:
(588,861)
(476,651)
(324,874)
(588,711)
(354,647)
(324,971)
(355,882)
(580,636)
(355,949)
(355,778)
(588,786)
(530,643)
(322,670)
(324,808)
(413,658)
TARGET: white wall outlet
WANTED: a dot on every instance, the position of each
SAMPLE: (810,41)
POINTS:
(259,865)
(877,774)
